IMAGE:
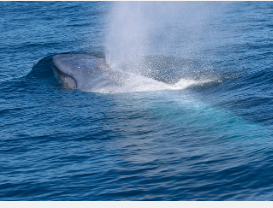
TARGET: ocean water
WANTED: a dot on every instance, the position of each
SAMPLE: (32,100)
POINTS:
(201,129)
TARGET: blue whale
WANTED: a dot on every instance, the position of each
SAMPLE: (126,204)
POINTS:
(91,74)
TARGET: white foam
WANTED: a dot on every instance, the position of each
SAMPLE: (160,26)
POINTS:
(137,83)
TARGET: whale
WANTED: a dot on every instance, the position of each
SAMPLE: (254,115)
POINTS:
(88,73)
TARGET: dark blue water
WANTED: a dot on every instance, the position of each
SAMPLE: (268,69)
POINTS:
(207,141)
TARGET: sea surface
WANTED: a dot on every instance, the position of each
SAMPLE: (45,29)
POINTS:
(208,138)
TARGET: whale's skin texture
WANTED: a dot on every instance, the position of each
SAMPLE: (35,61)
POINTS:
(85,72)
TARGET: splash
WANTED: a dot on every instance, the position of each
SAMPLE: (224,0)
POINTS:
(137,30)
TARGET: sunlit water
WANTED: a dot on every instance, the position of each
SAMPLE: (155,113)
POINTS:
(200,128)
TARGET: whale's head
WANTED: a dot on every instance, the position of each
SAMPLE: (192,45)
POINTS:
(79,71)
